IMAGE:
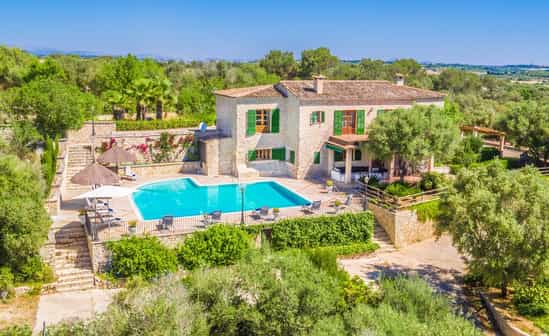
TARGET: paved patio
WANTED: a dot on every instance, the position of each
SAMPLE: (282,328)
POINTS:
(123,207)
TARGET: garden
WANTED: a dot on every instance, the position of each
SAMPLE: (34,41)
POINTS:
(220,281)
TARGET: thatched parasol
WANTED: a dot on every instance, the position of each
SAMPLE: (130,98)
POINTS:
(95,174)
(116,155)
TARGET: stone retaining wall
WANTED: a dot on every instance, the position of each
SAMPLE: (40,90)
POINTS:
(403,227)
(164,169)
(504,326)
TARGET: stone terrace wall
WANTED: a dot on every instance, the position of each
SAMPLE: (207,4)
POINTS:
(403,227)
(164,169)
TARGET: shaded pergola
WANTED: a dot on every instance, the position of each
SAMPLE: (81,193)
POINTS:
(476,130)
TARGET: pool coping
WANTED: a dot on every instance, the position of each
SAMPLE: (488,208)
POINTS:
(136,210)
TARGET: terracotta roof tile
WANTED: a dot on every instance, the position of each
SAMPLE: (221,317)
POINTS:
(253,91)
(339,91)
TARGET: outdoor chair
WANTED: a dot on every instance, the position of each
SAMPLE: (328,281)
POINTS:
(256,214)
(215,216)
(165,222)
(264,212)
(311,208)
(129,174)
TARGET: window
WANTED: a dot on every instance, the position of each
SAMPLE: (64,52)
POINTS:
(292,156)
(316,158)
(317,118)
(267,154)
(262,121)
(339,156)
(358,155)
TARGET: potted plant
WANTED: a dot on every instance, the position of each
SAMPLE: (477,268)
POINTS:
(276,212)
(329,185)
(337,205)
(82,216)
(132,226)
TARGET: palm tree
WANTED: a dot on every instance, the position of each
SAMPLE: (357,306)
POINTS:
(118,103)
(142,91)
(163,95)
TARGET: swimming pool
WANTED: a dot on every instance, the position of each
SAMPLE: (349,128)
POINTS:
(184,197)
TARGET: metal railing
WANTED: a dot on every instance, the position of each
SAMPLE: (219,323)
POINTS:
(185,225)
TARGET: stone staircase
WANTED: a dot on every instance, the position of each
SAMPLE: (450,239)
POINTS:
(382,239)
(79,156)
(72,263)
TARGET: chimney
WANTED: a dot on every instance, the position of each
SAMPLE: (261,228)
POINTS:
(399,79)
(319,83)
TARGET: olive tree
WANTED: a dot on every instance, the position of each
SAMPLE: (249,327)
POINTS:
(500,220)
(412,135)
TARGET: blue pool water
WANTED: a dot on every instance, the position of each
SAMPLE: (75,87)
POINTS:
(183,197)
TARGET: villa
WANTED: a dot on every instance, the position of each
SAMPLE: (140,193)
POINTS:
(305,128)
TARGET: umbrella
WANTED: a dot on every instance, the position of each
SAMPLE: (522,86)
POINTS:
(107,192)
(116,155)
(95,174)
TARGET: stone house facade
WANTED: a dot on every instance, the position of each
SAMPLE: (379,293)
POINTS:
(304,128)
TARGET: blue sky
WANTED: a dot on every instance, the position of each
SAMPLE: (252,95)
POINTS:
(480,32)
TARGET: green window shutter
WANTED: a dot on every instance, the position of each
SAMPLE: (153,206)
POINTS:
(275,121)
(252,155)
(338,156)
(360,122)
(317,158)
(312,118)
(322,116)
(250,129)
(292,156)
(278,154)
(338,122)
(358,155)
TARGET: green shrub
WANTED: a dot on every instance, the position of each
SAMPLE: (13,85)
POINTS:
(402,189)
(427,211)
(35,270)
(468,151)
(16,330)
(532,300)
(144,125)
(146,257)
(218,245)
(6,283)
(432,180)
(351,249)
(316,231)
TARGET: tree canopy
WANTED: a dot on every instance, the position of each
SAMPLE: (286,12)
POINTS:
(24,222)
(499,219)
(412,134)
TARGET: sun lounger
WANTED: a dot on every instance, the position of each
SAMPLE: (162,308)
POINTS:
(311,208)
(215,216)
(165,222)
(129,174)
(264,211)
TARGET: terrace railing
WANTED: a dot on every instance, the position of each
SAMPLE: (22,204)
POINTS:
(544,170)
(394,203)
(185,225)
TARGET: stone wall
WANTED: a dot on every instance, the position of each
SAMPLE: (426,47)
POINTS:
(403,227)
(164,169)
(103,129)
(505,327)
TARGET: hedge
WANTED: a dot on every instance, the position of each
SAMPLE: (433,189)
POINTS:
(146,257)
(318,231)
(147,125)
(216,246)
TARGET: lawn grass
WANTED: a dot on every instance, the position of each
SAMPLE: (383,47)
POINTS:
(541,322)
(20,310)
(427,211)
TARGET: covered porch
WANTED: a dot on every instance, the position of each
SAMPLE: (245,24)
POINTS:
(349,161)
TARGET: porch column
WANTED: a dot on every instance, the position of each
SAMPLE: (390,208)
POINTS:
(330,162)
(348,165)
(369,164)
(431,163)
(391,167)
(501,144)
